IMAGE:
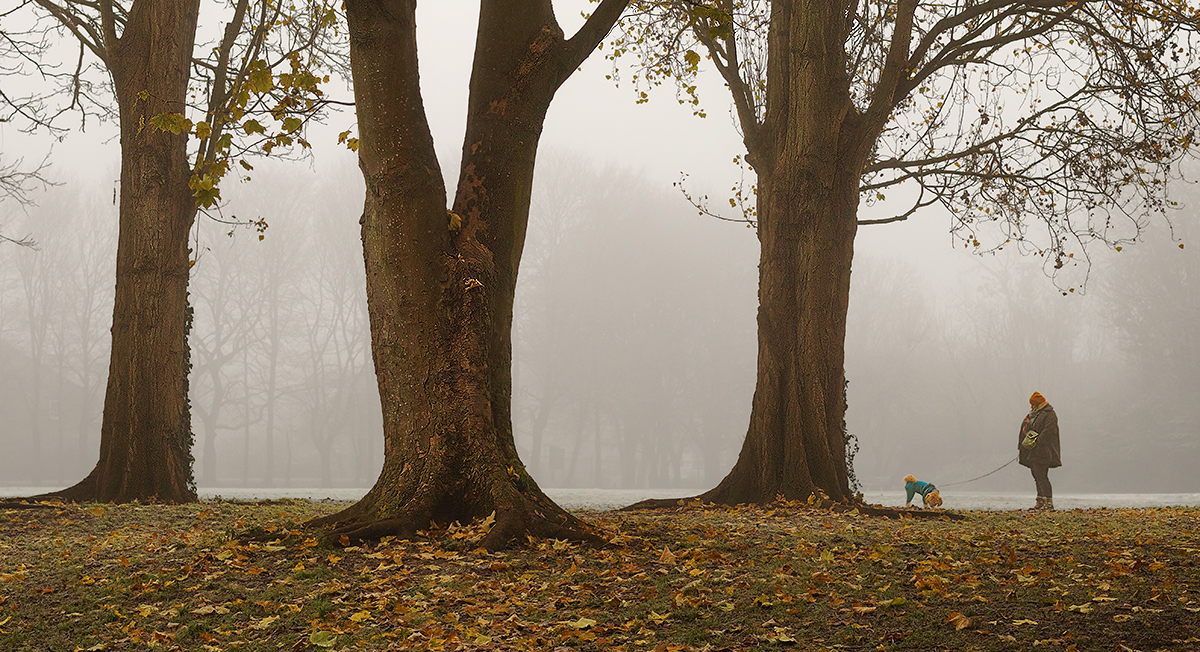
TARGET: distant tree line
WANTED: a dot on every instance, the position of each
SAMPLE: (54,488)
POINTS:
(632,347)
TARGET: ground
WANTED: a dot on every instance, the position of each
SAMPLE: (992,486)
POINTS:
(240,576)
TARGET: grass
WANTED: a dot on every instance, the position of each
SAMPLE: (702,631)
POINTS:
(133,577)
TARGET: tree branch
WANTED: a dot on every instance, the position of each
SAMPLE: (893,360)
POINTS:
(584,42)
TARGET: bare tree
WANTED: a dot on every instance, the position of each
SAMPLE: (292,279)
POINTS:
(16,184)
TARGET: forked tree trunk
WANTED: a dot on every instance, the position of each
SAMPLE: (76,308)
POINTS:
(145,438)
(439,285)
(808,158)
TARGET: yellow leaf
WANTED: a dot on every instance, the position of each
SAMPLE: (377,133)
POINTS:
(958,620)
(259,79)
(1081,608)
(1024,622)
(322,638)
(483,640)
(265,622)
(96,511)
(582,623)
(360,616)
(1121,618)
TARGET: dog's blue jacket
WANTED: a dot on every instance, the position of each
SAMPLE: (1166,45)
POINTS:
(918,487)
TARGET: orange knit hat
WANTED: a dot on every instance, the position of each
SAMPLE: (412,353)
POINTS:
(1036,399)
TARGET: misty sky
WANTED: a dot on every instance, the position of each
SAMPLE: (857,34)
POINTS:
(943,346)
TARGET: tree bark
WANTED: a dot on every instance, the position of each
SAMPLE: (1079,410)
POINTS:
(440,285)
(145,437)
(808,158)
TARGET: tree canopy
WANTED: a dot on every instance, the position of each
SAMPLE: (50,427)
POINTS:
(1051,125)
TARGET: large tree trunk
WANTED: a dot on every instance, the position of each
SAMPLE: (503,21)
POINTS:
(440,285)
(808,160)
(145,438)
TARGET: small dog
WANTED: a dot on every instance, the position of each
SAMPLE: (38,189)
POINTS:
(929,493)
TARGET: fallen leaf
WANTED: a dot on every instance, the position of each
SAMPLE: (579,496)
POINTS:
(582,623)
(958,620)
(667,557)
(1024,622)
(360,616)
(322,638)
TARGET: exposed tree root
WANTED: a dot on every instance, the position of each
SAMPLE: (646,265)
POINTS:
(698,502)
(82,492)
(525,517)
(87,490)
(18,503)
(667,503)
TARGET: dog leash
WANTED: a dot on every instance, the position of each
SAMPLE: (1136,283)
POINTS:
(982,476)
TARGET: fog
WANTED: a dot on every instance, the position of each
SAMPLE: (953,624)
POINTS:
(634,336)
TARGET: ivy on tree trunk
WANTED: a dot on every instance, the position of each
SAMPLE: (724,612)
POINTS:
(145,436)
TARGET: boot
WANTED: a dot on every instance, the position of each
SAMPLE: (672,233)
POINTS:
(1039,505)
(1047,504)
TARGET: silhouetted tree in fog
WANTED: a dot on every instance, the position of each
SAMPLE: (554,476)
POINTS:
(632,332)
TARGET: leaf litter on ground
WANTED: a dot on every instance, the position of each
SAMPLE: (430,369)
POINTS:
(224,575)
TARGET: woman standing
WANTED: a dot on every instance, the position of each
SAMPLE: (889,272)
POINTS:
(1038,447)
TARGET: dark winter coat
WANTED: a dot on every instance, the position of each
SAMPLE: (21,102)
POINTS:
(1046,452)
